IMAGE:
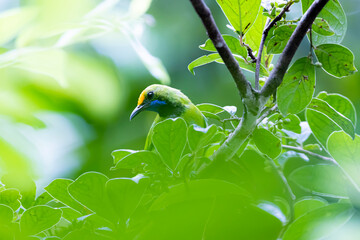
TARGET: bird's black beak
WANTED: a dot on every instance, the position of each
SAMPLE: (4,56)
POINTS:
(138,109)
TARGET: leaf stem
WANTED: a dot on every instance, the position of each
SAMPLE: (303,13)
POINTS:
(301,150)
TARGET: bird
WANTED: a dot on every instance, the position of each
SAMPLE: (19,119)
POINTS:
(168,102)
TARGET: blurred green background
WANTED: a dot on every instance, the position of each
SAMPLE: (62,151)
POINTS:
(71,72)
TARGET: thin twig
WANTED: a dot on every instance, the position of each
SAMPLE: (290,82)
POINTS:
(263,38)
(250,52)
(301,150)
(285,58)
(214,34)
(266,113)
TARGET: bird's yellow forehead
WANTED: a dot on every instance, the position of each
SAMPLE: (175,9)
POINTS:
(141,97)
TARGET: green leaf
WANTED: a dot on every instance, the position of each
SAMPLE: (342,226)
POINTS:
(89,190)
(136,159)
(341,103)
(24,184)
(334,15)
(208,209)
(126,193)
(346,152)
(340,120)
(315,179)
(120,154)
(215,57)
(43,199)
(319,223)
(259,176)
(10,197)
(336,60)
(266,142)
(297,87)
(199,137)
(39,218)
(58,189)
(279,39)
(70,214)
(321,26)
(6,215)
(240,13)
(292,123)
(232,42)
(254,35)
(169,139)
(324,118)
(202,61)
(209,107)
(307,204)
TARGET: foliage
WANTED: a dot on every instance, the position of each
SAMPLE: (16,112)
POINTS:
(283,182)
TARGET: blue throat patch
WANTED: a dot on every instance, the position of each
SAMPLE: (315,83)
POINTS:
(154,105)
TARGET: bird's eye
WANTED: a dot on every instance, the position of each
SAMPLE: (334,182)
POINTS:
(150,95)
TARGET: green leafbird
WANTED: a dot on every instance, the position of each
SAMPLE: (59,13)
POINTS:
(168,103)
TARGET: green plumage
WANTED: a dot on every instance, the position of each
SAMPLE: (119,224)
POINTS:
(168,103)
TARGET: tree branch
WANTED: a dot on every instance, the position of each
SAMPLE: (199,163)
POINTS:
(214,34)
(285,58)
(263,38)
(300,150)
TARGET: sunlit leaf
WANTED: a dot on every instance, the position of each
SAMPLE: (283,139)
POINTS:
(319,223)
(39,218)
(10,197)
(58,189)
(315,179)
(322,27)
(280,37)
(241,14)
(335,59)
(324,118)
(334,15)
(346,152)
(307,204)
(232,42)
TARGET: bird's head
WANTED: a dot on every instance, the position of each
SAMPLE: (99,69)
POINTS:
(166,101)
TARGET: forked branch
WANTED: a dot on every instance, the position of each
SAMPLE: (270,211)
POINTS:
(214,34)
(277,75)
